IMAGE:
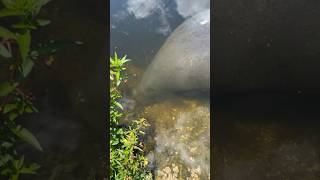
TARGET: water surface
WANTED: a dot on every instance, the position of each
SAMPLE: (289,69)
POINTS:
(178,141)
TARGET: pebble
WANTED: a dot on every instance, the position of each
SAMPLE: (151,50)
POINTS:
(176,169)
(167,170)
(192,150)
(160,173)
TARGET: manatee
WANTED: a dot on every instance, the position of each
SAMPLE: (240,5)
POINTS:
(183,61)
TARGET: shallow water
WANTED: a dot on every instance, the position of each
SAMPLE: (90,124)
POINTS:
(178,141)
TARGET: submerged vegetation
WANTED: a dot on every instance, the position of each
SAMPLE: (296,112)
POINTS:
(18,57)
(127,160)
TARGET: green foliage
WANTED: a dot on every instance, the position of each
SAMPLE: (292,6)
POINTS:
(22,7)
(19,54)
(12,163)
(6,88)
(127,159)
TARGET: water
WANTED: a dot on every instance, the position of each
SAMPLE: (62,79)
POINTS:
(266,118)
(262,136)
(266,136)
(71,94)
(259,137)
(178,141)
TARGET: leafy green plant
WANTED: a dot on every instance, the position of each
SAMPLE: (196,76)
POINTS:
(127,160)
(18,56)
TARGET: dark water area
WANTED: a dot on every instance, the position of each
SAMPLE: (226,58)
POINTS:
(71,93)
(266,46)
(273,136)
(266,90)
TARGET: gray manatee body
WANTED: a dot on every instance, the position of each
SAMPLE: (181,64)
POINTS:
(183,62)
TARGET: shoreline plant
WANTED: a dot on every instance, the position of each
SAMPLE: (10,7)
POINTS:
(127,160)
(19,54)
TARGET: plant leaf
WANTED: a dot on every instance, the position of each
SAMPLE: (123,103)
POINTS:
(25,6)
(4,159)
(13,116)
(6,144)
(6,88)
(27,136)
(43,22)
(24,41)
(31,169)
(10,12)
(38,4)
(9,107)
(22,25)
(118,104)
(4,51)
(9,4)
(5,33)
(27,66)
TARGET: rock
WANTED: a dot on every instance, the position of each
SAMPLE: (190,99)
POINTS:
(167,170)
(176,169)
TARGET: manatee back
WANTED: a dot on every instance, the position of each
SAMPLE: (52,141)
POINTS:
(183,62)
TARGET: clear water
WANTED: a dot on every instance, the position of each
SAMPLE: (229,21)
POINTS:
(178,140)
(259,137)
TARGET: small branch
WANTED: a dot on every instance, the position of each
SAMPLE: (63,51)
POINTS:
(21,92)
(29,97)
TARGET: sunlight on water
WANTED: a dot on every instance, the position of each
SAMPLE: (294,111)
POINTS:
(178,140)
(182,137)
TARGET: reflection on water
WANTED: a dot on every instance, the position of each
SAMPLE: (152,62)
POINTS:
(162,9)
(178,141)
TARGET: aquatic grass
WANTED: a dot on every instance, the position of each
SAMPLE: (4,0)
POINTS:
(127,160)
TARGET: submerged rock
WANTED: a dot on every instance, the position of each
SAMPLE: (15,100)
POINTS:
(182,138)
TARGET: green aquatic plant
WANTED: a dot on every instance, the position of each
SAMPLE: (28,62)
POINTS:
(18,57)
(127,160)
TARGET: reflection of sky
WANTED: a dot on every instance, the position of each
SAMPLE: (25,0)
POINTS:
(188,8)
(141,9)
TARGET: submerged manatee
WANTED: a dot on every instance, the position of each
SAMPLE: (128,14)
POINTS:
(183,62)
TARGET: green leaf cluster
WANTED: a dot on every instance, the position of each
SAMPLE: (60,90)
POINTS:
(12,164)
(20,55)
(127,160)
(22,7)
